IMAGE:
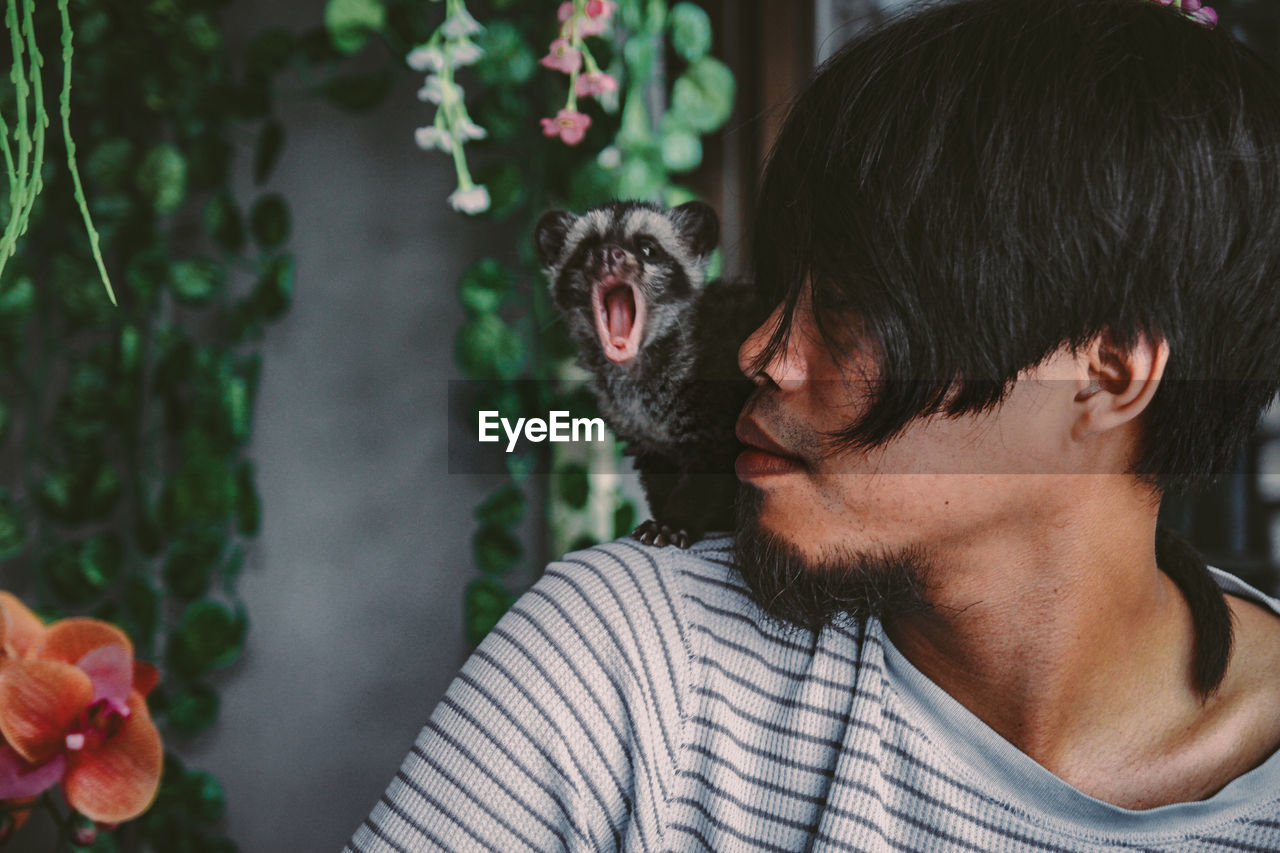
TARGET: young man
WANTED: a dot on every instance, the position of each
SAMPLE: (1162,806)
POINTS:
(1025,256)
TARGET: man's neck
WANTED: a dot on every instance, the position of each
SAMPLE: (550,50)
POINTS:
(1078,650)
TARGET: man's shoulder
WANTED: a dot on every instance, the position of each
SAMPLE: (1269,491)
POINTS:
(633,573)
(1244,707)
(695,592)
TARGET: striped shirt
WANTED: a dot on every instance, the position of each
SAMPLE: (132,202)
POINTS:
(636,699)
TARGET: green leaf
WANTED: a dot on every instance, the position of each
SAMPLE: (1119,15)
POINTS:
(162,178)
(236,406)
(640,178)
(202,492)
(101,558)
(690,31)
(589,185)
(222,221)
(655,16)
(504,508)
(80,573)
(358,93)
(17,300)
(204,796)
(349,22)
(487,348)
(575,485)
(191,711)
(674,195)
(702,97)
(188,570)
(495,549)
(248,504)
(202,34)
(13,533)
(273,292)
(484,285)
(196,280)
(681,150)
(265,156)
(483,605)
(639,53)
(269,220)
(624,519)
(209,636)
(79,495)
(507,59)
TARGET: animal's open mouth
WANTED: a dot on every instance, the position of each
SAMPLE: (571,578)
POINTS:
(620,314)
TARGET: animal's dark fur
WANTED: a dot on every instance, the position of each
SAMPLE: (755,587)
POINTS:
(675,400)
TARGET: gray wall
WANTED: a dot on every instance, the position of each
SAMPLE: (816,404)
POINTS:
(354,587)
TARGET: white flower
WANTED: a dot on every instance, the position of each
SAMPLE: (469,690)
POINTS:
(425,58)
(464,52)
(472,201)
(468,129)
(461,24)
(434,89)
(433,137)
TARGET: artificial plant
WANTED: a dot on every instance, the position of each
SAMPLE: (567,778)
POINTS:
(642,90)
(126,489)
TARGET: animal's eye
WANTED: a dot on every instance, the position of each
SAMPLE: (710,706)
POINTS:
(646,247)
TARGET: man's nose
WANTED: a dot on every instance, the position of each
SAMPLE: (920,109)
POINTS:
(784,368)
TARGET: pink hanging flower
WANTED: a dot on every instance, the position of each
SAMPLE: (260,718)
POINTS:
(563,57)
(1197,11)
(568,124)
(594,23)
(596,83)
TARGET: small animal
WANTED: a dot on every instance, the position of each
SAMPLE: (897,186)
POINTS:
(661,344)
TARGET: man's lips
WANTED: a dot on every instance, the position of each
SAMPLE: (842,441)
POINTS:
(763,455)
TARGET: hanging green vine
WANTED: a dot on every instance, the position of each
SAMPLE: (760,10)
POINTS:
(127,492)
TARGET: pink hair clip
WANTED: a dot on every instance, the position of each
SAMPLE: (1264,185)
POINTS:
(1195,10)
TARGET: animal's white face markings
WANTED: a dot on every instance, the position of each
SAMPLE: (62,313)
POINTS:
(658,226)
(630,223)
(591,222)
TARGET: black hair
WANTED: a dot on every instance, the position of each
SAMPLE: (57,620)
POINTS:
(980,183)
(970,187)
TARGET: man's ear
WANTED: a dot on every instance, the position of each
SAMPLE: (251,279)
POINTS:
(1118,382)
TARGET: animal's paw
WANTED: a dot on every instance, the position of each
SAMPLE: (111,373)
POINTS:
(653,533)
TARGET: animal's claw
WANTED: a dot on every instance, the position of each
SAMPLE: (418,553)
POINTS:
(660,535)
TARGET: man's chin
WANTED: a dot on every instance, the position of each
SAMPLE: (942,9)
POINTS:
(843,583)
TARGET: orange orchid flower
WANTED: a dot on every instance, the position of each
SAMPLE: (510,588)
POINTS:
(73,708)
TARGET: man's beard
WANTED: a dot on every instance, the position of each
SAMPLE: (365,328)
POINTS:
(842,584)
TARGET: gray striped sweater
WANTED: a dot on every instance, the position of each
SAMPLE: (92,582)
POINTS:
(636,699)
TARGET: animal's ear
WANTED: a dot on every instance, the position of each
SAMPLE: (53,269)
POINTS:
(548,235)
(699,226)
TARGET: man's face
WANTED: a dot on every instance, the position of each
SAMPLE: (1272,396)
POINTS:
(942,493)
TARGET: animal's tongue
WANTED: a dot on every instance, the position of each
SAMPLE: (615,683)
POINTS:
(620,309)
